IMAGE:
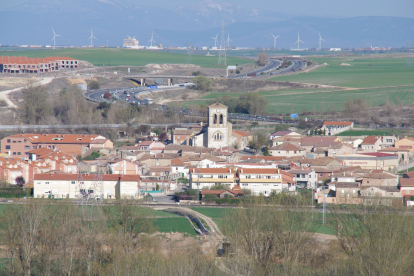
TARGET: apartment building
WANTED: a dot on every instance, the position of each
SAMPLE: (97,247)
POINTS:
(72,144)
(20,65)
(264,181)
(208,177)
(305,178)
(87,185)
(125,167)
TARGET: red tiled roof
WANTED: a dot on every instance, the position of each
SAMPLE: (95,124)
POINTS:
(337,123)
(406,182)
(86,177)
(286,146)
(378,154)
(213,170)
(393,149)
(370,140)
(241,133)
(57,138)
(267,158)
(26,60)
(258,171)
(146,143)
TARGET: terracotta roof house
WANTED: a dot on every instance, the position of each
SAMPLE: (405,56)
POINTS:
(405,143)
(371,144)
(287,149)
(18,145)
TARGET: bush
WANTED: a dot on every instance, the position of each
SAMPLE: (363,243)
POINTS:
(13,192)
(209,197)
(203,83)
(237,71)
(227,200)
(94,84)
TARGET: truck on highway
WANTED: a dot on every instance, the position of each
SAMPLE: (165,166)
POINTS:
(252,75)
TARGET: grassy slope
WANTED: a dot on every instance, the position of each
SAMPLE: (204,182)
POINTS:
(180,224)
(126,57)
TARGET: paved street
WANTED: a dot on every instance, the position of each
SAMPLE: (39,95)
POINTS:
(404,166)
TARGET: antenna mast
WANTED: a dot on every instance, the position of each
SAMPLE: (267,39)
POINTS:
(222,52)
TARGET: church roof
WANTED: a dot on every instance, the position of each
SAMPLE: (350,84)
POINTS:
(218,105)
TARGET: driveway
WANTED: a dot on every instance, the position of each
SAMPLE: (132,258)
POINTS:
(164,198)
(405,166)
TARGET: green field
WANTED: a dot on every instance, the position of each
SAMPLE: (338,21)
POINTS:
(127,57)
(218,214)
(298,101)
(367,132)
(180,224)
(372,79)
(363,73)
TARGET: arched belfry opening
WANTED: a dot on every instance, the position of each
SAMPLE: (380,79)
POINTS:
(221,119)
(215,119)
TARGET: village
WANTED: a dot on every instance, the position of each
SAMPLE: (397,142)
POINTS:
(215,161)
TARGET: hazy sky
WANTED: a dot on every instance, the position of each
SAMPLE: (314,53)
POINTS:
(403,8)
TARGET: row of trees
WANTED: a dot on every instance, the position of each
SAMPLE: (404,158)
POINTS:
(266,236)
(249,103)
(66,239)
(70,108)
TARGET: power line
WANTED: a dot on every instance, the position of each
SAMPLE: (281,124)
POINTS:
(222,52)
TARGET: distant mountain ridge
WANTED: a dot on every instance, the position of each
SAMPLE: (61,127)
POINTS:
(113,20)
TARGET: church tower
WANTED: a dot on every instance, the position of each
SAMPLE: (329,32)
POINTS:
(218,127)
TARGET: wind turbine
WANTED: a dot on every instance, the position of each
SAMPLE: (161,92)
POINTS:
(54,37)
(320,41)
(274,40)
(152,38)
(298,42)
(228,40)
(215,41)
(92,37)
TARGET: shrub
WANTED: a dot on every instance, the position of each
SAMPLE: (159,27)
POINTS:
(94,84)
(107,96)
(13,192)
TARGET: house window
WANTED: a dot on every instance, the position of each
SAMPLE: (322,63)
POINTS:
(407,192)
(265,184)
(245,184)
(320,175)
(7,146)
(14,153)
(38,183)
(19,141)
(303,176)
(73,182)
(14,142)
(26,147)
(8,140)
(19,153)
(47,182)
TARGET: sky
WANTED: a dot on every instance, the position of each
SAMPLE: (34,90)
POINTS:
(331,8)
(342,8)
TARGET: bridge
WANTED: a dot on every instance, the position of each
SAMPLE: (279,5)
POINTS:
(139,79)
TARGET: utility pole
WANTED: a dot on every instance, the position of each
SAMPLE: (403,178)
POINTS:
(189,53)
(198,182)
(324,207)
(222,52)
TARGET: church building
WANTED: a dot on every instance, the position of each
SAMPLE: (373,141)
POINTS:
(218,133)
